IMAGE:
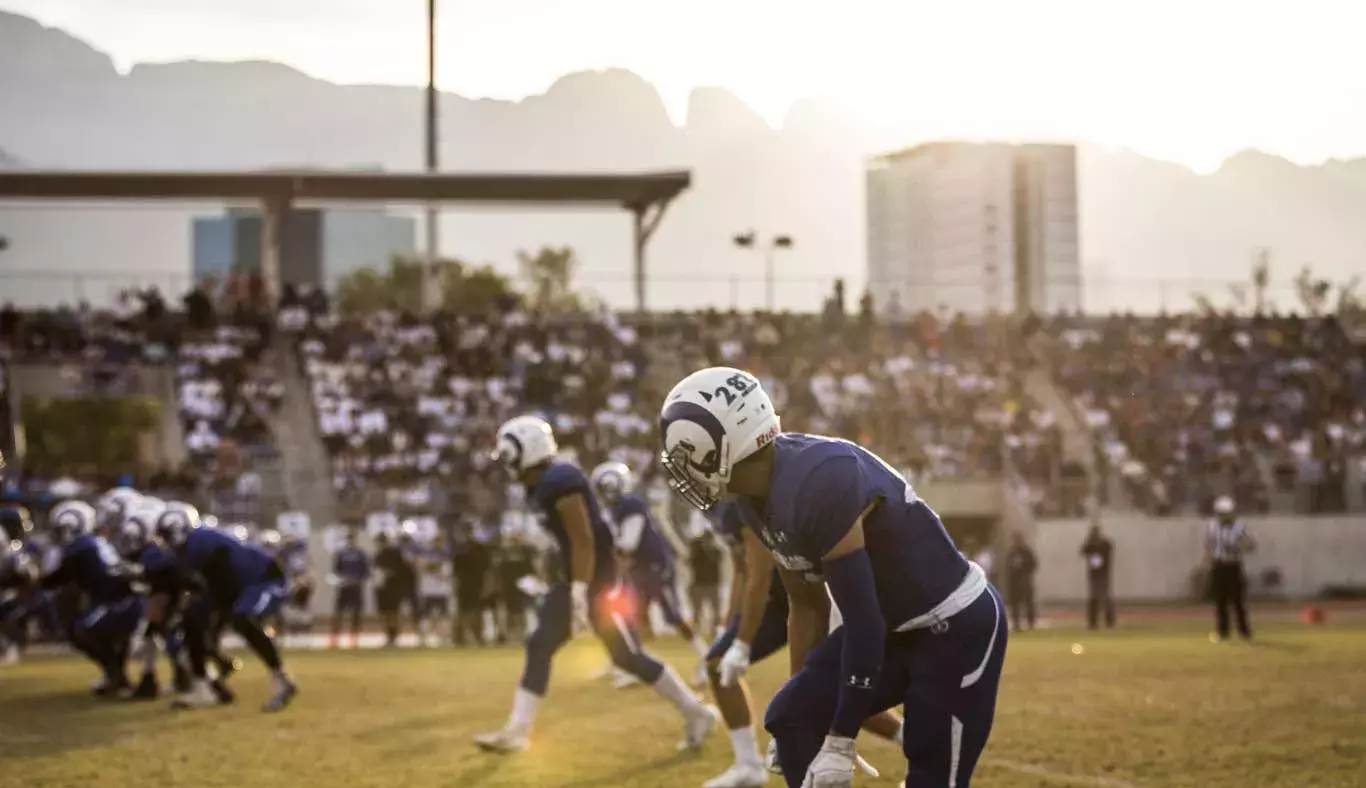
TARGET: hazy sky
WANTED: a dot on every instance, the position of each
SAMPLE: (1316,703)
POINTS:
(1186,80)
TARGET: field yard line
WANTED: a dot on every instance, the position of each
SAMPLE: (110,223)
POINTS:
(1062,777)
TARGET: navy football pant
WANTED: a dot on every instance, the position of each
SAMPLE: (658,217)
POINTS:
(554,627)
(658,584)
(945,677)
(104,631)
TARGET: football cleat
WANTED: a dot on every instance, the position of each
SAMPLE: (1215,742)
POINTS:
(221,691)
(147,689)
(200,696)
(740,775)
(285,690)
(699,726)
(507,740)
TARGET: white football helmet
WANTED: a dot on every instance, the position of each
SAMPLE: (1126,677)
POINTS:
(523,443)
(114,505)
(712,420)
(611,481)
(174,524)
(1223,505)
(139,526)
(70,520)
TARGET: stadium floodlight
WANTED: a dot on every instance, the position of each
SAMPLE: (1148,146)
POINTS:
(749,240)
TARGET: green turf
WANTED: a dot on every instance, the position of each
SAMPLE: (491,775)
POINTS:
(1138,708)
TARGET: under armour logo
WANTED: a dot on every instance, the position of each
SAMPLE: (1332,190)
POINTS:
(939,627)
(860,683)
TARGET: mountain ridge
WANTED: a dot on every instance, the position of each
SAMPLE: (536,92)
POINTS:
(75,110)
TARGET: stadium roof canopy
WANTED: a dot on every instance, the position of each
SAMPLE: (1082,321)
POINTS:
(627,191)
(645,195)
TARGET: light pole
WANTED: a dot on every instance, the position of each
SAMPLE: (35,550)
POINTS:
(747,240)
(431,281)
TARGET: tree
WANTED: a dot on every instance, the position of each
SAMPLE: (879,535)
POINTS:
(1312,291)
(1261,280)
(464,288)
(549,278)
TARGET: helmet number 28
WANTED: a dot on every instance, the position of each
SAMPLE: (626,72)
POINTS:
(742,383)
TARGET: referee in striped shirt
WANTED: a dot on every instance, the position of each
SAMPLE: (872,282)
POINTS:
(1226,542)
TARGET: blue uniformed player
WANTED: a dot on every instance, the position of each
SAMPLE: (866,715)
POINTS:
(647,559)
(922,627)
(241,582)
(90,563)
(756,628)
(583,572)
(165,585)
(17,574)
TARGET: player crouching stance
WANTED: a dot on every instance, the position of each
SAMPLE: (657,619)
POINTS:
(756,629)
(239,581)
(584,572)
(922,627)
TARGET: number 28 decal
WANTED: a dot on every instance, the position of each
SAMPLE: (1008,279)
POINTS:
(741,384)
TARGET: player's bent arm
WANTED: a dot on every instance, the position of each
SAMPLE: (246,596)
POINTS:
(756,576)
(808,617)
(849,574)
(573,513)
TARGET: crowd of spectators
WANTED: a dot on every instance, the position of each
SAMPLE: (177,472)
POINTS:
(1185,408)
(213,344)
(403,401)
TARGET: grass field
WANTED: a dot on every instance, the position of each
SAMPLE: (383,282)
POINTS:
(1133,708)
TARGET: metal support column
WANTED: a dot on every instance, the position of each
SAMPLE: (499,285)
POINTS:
(644,221)
(274,209)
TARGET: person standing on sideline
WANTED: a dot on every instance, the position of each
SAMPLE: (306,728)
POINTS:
(1226,542)
(1021,564)
(350,571)
(1099,553)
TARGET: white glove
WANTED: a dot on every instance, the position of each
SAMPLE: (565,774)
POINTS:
(734,663)
(834,765)
(578,594)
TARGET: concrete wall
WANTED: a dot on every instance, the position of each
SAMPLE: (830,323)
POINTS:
(1154,557)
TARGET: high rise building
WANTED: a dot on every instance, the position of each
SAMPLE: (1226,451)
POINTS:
(318,247)
(974,227)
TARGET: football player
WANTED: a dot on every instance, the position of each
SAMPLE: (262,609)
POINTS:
(922,627)
(164,583)
(646,556)
(583,573)
(17,573)
(238,577)
(91,563)
(756,628)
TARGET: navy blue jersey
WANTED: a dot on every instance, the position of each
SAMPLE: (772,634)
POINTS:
(351,566)
(559,480)
(728,522)
(226,564)
(649,547)
(820,486)
(94,566)
(160,571)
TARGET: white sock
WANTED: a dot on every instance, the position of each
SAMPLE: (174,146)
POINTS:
(699,645)
(900,733)
(525,704)
(671,687)
(746,746)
